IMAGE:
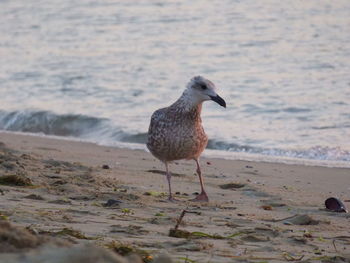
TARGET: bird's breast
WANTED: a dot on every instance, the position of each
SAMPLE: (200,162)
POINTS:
(184,142)
(175,135)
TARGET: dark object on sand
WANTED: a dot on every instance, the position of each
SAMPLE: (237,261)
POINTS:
(335,205)
(231,186)
(112,203)
(105,166)
(15,180)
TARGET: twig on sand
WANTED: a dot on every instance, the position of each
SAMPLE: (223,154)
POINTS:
(335,248)
(176,232)
(178,222)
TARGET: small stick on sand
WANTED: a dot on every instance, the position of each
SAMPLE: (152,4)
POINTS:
(335,248)
(180,219)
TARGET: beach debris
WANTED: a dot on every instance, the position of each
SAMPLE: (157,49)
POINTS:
(55,163)
(60,202)
(229,207)
(308,234)
(155,194)
(127,211)
(82,197)
(34,197)
(289,257)
(15,180)
(128,250)
(299,220)
(231,186)
(267,207)
(160,219)
(3,217)
(159,214)
(335,247)
(128,196)
(202,234)
(112,203)
(336,205)
(179,220)
(53,176)
(105,166)
(178,233)
(59,182)
(73,233)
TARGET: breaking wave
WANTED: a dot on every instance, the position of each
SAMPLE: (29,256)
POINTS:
(103,131)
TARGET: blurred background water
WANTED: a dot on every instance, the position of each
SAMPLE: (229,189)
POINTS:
(96,70)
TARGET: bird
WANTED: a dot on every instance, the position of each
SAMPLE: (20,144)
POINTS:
(176,132)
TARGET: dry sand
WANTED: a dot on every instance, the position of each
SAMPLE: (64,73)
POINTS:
(67,193)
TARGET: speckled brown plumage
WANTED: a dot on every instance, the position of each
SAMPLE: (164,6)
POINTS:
(176,132)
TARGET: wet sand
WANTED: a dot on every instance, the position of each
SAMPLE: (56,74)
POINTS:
(115,198)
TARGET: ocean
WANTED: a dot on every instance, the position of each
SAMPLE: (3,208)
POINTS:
(96,71)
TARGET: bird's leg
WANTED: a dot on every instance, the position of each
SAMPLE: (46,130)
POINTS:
(203,197)
(168,177)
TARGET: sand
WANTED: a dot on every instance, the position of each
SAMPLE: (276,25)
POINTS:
(84,194)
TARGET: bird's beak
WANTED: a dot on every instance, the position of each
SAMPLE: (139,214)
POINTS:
(218,100)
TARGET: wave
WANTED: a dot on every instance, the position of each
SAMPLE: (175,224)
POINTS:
(48,123)
(99,130)
(103,131)
(322,153)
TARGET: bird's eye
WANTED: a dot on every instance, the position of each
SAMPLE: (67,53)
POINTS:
(203,87)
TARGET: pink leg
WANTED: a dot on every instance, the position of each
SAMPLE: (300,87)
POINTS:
(168,177)
(202,197)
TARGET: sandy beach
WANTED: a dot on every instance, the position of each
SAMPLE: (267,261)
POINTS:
(81,193)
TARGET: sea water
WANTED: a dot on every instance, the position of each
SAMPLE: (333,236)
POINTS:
(96,70)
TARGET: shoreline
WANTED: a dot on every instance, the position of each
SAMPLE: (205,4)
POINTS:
(208,153)
(249,201)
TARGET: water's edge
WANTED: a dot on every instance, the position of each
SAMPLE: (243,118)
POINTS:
(102,131)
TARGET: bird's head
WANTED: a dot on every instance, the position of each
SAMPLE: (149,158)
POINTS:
(201,89)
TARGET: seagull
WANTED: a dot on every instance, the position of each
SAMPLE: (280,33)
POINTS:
(176,132)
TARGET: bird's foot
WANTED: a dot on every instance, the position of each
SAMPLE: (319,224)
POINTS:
(202,197)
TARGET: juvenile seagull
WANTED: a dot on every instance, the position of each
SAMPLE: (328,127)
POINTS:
(176,132)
